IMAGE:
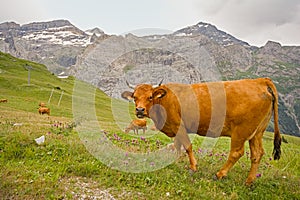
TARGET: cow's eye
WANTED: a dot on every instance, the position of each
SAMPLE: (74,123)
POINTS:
(150,98)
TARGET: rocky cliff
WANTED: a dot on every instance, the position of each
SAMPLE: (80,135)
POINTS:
(55,44)
(193,54)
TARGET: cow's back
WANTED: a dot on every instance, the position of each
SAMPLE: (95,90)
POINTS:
(139,122)
(214,108)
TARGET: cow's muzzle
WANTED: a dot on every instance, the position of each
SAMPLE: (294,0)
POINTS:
(140,112)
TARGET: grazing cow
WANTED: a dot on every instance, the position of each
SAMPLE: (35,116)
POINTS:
(44,110)
(3,100)
(238,109)
(42,104)
(137,124)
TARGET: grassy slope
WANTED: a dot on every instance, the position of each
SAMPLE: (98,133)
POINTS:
(63,168)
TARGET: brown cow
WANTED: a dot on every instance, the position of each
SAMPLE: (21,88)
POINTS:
(137,124)
(238,109)
(3,100)
(42,104)
(44,110)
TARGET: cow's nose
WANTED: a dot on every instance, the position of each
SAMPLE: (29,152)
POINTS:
(140,112)
(140,109)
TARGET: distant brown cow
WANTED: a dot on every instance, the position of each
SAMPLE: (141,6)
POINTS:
(238,109)
(42,104)
(44,110)
(137,124)
(3,100)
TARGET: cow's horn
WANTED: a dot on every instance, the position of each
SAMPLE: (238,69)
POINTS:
(130,85)
(154,86)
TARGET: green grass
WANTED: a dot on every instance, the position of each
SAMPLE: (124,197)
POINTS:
(62,167)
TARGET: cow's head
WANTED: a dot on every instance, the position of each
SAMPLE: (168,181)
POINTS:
(144,97)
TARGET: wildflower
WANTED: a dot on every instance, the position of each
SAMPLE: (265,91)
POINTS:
(116,137)
(258,175)
(152,164)
(167,194)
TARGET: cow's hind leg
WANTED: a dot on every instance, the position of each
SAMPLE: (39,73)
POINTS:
(236,151)
(257,152)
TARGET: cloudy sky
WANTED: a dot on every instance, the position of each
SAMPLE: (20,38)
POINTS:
(254,21)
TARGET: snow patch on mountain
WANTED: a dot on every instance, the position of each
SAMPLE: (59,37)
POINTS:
(60,35)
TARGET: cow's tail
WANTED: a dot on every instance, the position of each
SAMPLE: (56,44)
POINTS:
(277,137)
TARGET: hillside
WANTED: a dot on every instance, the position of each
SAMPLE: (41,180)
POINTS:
(15,86)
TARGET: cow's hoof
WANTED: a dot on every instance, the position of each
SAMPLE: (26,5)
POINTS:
(249,183)
(192,172)
(215,178)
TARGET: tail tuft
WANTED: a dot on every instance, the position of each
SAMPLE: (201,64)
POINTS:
(277,151)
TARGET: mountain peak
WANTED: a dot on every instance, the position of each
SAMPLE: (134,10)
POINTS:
(98,32)
(205,25)
(212,32)
(273,45)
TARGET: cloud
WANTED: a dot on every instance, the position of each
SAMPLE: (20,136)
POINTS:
(21,11)
(254,21)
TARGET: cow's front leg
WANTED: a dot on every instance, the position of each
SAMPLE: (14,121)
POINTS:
(183,138)
(236,151)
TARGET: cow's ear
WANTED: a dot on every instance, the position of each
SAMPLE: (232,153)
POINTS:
(127,95)
(159,93)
